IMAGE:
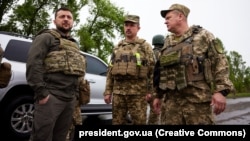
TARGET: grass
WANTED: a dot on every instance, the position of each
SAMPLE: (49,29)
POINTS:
(238,95)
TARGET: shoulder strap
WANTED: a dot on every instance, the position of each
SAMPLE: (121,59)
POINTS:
(187,38)
(51,31)
(140,41)
(139,44)
(196,29)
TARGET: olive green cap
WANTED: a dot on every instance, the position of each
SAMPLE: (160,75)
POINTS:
(132,18)
(178,7)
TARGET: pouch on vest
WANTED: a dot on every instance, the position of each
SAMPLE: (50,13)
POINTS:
(143,70)
(186,53)
(123,65)
(181,81)
(115,65)
(84,92)
(168,79)
(163,80)
(5,74)
(170,59)
(194,70)
(132,69)
(143,73)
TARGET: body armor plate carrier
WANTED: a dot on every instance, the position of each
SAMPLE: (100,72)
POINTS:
(67,59)
(179,66)
(130,61)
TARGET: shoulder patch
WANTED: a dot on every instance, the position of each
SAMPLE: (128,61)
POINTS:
(219,49)
(218,46)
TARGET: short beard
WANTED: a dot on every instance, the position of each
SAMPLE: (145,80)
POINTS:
(63,30)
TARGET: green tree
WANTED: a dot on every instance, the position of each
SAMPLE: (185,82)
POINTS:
(97,34)
(247,80)
(6,6)
(239,73)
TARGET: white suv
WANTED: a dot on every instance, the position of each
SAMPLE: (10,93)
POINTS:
(16,100)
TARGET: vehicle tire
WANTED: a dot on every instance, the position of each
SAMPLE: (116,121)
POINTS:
(18,117)
(91,120)
(96,120)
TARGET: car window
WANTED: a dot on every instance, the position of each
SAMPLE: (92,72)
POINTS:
(95,66)
(17,50)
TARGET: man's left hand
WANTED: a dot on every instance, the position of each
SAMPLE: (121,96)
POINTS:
(218,103)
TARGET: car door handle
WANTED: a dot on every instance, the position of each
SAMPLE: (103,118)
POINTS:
(91,81)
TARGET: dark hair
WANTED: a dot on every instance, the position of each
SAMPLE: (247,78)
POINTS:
(63,9)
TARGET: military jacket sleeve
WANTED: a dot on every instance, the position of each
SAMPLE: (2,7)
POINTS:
(219,65)
(35,69)
(109,79)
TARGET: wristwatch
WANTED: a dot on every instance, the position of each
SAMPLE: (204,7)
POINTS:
(224,92)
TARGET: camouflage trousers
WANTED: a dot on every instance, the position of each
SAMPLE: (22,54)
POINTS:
(135,105)
(77,120)
(178,110)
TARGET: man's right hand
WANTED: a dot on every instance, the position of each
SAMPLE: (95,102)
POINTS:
(44,100)
(107,98)
(157,105)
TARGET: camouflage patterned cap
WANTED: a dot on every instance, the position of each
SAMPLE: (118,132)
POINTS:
(178,7)
(132,18)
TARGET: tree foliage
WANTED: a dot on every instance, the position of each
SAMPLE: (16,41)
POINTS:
(5,7)
(99,29)
(239,73)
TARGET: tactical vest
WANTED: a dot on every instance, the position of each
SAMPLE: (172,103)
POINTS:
(67,59)
(129,60)
(179,66)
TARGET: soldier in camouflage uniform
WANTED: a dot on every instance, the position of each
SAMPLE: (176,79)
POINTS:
(130,75)
(77,120)
(193,72)
(54,66)
(157,42)
(84,89)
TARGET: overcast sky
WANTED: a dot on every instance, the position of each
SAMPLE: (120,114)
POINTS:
(229,20)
